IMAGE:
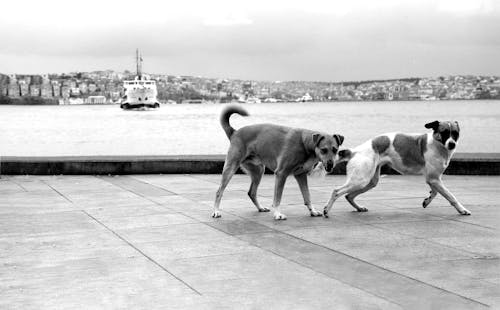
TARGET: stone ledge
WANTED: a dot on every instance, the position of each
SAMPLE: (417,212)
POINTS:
(461,164)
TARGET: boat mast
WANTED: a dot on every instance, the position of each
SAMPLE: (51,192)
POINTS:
(138,61)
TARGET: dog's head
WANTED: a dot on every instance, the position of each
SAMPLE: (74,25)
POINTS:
(326,148)
(445,132)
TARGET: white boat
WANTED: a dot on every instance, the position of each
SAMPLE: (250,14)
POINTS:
(140,93)
(304,98)
(253,100)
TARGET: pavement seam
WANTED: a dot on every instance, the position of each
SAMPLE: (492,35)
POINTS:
(352,257)
(137,180)
(428,240)
(142,253)
(22,187)
(329,249)
(303,265)
(269,251)
(459,221)
(129,243)
(385,269)
(338,252)
(55,190)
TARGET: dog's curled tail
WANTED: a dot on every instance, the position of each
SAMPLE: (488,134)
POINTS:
(342,156)
(226,114)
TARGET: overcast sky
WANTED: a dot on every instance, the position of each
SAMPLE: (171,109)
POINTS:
(321,40)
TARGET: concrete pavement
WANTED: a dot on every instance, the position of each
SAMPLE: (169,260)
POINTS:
(148,242)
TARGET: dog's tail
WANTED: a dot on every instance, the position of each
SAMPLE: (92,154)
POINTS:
(344,155)
(226,114)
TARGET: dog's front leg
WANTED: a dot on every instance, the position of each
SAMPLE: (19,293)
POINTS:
(304,189)
(437,185)
(280,180)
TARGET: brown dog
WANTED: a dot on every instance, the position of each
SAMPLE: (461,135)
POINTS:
(283,150)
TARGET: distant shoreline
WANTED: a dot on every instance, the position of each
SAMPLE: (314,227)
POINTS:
(27,101)
(48,101)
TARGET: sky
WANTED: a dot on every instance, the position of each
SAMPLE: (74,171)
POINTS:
(315,40)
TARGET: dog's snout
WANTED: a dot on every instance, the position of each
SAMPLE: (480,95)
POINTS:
(329,165)
(451,145)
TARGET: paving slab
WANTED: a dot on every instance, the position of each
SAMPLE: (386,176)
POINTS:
(149,242)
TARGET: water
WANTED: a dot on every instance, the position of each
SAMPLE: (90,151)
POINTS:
(195,129)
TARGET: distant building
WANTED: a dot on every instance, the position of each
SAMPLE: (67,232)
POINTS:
(24,88)
(246,86)
(75,91)
(45,79)
(95,100)
(101,86)
(13,91)
(12,79)
(83,87)
(65,91)
(56,89)
(115,95)
(92,88)
(34,90)
(46,91)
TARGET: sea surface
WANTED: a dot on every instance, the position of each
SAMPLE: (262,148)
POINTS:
(195,129)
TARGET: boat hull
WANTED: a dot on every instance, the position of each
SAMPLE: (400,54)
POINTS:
(139,106)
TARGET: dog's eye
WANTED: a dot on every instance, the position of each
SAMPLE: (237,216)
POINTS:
(334,149)
(454,134)
(324,151)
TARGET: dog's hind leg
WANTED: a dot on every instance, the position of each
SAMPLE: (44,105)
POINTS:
(279,184)
(304,189)
(429,199)
(360,172)
(337,192)
(255,172)
(230,167)
(352,195)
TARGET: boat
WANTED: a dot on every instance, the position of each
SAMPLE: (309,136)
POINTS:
(253,100)
(305,98)
(141,92)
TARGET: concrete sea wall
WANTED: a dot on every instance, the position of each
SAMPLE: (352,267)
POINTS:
(461,164)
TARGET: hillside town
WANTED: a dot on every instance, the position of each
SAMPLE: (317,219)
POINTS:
(106,87)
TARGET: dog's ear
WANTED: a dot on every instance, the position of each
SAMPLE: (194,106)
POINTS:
(458,127)
(432,125)
(317,138)
(338,138)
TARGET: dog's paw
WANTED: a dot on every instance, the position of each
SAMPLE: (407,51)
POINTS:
(426,202)
(362,209)
(264,209)
(465,212)
(279,217)
(216,214)
(315,213)
(325,212)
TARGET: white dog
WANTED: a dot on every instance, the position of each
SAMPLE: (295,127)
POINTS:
(428,154)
